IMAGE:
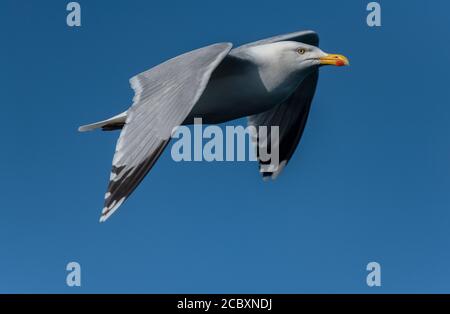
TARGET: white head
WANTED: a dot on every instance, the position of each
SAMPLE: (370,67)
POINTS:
(288,62)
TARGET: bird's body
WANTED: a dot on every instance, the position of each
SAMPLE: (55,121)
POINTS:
(272,81)
(224,98)
(246,83)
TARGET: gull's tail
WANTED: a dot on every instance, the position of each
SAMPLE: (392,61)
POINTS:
(114,123)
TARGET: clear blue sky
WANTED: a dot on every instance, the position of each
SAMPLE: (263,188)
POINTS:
(370,181)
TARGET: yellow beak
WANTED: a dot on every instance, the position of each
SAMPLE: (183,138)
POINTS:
(333,59)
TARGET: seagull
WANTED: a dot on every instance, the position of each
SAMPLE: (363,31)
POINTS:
(270,81)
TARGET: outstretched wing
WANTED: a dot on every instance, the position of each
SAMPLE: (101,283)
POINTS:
(290,116)
(306,37)
(164,96)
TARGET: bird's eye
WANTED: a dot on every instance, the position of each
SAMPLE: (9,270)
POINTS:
(301,51)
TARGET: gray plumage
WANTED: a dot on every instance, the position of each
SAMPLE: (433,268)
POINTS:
(272,81)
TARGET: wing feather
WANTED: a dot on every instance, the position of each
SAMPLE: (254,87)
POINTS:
(306,37)
(164,96)
(290,116)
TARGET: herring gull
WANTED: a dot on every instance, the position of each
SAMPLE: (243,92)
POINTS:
(271,81)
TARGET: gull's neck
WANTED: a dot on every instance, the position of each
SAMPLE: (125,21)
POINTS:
(276,75)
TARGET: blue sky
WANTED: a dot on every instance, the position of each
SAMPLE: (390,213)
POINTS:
(369,182)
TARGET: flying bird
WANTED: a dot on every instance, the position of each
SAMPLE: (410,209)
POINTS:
(271,81)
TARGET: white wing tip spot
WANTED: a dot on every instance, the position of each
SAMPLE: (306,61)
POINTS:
(276,170)
(108,211)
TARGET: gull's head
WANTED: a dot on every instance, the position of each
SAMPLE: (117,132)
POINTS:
(282,65)
(296,56)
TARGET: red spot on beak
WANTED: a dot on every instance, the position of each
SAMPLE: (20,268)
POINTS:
(340,63)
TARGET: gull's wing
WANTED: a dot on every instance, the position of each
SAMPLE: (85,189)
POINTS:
(164,96)
(290,116)
(306,37)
